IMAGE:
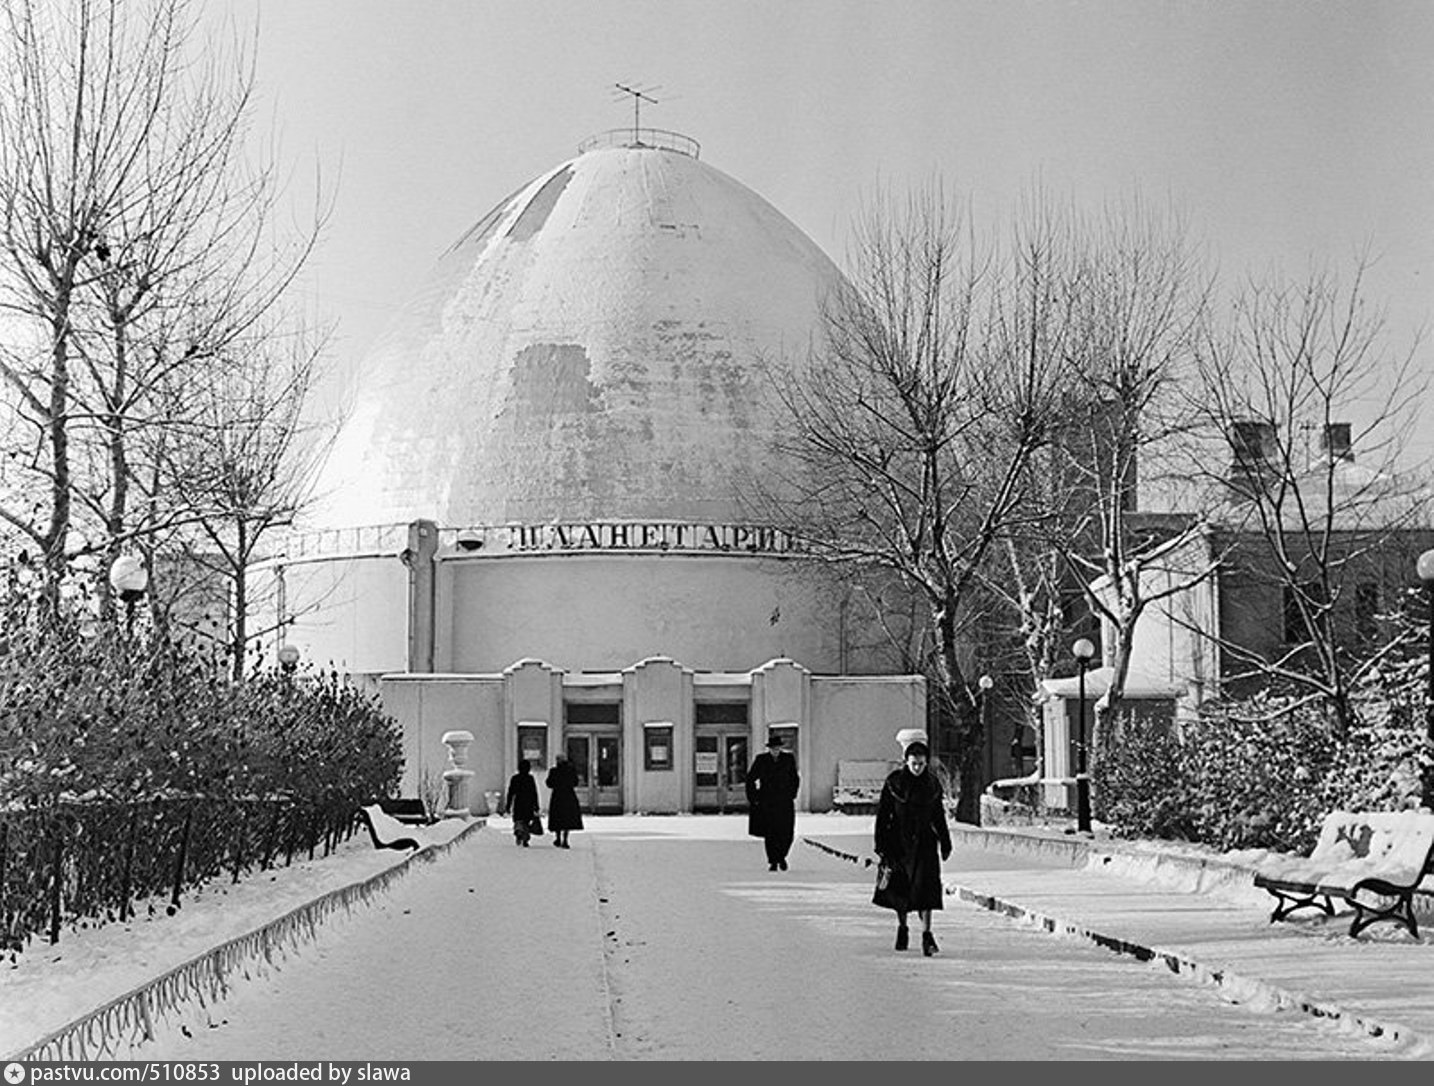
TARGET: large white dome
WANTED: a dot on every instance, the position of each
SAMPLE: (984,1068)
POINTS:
(592,348)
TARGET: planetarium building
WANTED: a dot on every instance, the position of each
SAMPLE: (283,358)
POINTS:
(537,522)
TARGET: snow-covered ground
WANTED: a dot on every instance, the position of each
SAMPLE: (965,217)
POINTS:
(46,987)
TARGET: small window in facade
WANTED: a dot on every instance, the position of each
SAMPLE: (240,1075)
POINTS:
(721,712)
(1366,610)
(1294,622)
(657,745)
(594,712)
(533,743)
(1311,595)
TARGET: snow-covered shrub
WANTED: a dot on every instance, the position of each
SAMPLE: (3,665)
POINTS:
(1385,759)
(133,767)
(1137,785)
(1252,773)
(1263,773)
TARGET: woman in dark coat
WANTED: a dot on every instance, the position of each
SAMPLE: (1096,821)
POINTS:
(564,813)
(522,802)
(910,829)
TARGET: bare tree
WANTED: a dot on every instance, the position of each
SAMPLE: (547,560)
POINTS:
(71,119)
(137,246)
(242,464)
(1033,319)
(1141,291)
(1315,528)
(913,437)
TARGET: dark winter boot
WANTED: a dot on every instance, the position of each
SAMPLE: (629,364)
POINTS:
(928,944)
(903,936)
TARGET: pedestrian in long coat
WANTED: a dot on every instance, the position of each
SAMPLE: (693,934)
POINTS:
(772,801)
(910,831)
(564,812)
(522,802)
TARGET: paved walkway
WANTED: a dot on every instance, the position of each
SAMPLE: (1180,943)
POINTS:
(1203,920)
(637,945)
(1381,984)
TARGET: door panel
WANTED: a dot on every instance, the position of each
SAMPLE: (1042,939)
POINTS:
(579,752)
(720,771)
(597,757)
(608,771)
(737,762)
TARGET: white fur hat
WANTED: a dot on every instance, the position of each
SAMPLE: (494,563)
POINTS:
(907,736)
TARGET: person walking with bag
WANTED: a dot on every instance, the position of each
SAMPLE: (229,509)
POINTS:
(772,801)
(522,804)
(564,812)
(910,831)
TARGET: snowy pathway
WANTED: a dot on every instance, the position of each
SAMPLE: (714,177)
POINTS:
(643,944)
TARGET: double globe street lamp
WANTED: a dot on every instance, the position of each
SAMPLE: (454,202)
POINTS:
(1083,651)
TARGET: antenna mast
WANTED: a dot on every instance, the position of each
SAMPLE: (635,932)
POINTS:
(639,95)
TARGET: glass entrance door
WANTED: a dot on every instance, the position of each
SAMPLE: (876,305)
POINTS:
(720,771)
(597,758)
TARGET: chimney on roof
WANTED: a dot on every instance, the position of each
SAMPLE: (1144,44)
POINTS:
(1334,442)
(1253,453)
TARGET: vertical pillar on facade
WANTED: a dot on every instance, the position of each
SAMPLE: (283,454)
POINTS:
(418,557)
(781,697)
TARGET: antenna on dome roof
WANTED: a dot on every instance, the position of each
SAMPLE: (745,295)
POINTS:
(639,95)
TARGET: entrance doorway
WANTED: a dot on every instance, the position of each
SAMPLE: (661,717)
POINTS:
(721,755)
(720,772)
(597,757)
(593,742)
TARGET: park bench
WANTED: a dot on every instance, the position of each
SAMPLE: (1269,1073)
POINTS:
(1373,861)
(859,784)
(386,831)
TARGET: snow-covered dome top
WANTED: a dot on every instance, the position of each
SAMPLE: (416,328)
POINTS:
(592,348)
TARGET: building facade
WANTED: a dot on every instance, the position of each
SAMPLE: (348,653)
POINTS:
(539,523)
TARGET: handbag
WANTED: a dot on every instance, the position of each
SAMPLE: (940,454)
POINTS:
(535,826)
(891,889)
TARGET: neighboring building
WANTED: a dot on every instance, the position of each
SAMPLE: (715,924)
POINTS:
(535,524)
(1199,643)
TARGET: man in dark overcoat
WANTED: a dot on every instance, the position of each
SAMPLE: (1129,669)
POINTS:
(772,801)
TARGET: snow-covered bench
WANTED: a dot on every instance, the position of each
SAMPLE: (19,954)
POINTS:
(1374,861)
(386,831)
(411,811)
(859,784)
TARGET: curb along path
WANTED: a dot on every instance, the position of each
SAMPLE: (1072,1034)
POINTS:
(1242,989)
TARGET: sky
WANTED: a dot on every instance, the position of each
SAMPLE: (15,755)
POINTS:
(1289,132)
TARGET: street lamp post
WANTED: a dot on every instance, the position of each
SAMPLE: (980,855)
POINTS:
(1425,568)
(129,579)
(1083,651)
(288,661)
(984,684)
